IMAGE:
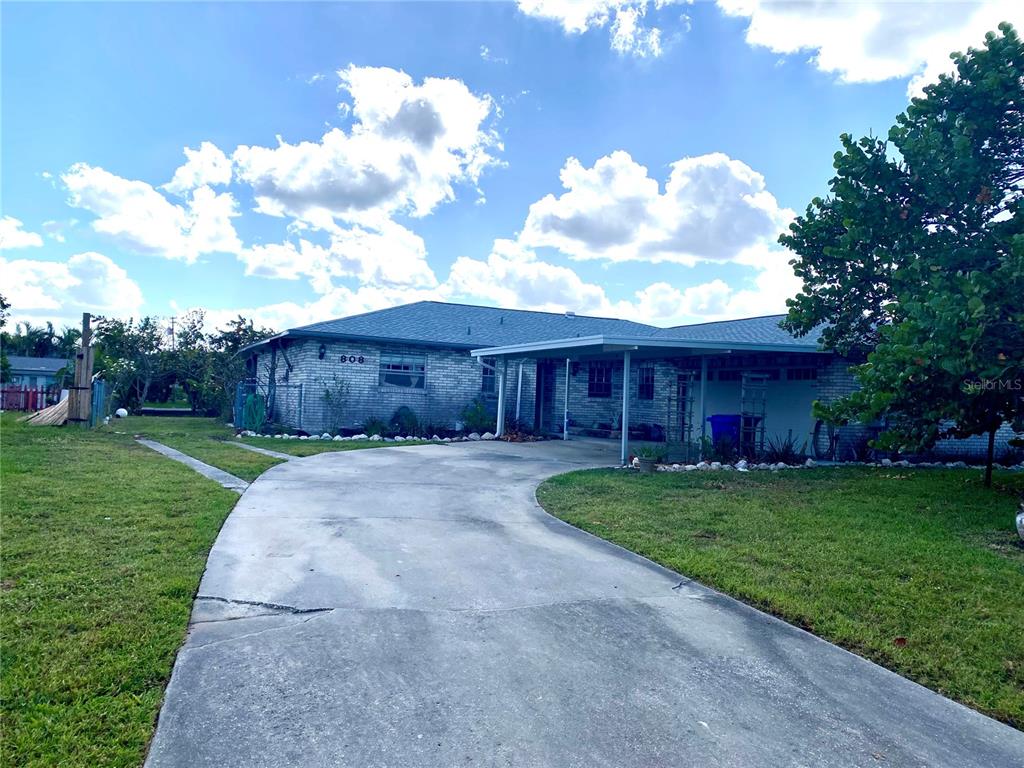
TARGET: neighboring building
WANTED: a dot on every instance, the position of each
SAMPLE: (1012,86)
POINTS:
(558,374)
(35,371)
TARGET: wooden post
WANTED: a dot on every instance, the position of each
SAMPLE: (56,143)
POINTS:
(80,393)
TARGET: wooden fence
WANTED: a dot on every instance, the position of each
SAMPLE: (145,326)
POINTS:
(22,398)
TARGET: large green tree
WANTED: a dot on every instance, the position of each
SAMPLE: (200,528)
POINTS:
(916,257)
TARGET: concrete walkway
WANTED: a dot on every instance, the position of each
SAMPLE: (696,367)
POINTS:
(415,607)
(229,481)
(263,451)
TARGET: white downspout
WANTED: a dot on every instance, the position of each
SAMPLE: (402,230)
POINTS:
(500,428)
(625,406)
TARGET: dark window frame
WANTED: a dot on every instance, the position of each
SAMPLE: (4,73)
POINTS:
(599,380)
(488,377)
(645,382)
(802,373)
(405,370)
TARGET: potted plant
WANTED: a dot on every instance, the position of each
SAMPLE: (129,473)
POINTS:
(648,457)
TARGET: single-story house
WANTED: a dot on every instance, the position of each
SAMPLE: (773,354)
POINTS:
(35,371)
(559,374)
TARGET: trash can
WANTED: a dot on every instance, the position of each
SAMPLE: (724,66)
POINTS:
(725,427)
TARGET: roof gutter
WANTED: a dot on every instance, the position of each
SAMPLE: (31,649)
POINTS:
(327,335)
(620,342)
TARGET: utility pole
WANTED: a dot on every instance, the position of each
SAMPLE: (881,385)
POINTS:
(174,336)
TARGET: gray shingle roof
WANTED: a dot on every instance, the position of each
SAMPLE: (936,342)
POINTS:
(466,325)
(22,364)
(750,330)
(473,327)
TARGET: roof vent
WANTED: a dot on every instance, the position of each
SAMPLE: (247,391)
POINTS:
(570,314)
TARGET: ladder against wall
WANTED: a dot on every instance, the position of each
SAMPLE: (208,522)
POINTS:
(679,413)
(753,409)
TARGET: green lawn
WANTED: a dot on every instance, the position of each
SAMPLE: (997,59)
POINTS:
(205,439)
(863,557)
(200,438)
(104,542)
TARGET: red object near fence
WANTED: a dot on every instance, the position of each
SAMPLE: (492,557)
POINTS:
(18,398)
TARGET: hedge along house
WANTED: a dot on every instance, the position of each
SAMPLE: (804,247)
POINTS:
(557,374)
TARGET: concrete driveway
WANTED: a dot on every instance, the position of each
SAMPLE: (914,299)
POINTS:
(415,607)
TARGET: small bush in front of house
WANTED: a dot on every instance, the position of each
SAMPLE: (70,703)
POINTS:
(404,422)
(476,418)
(374,426)
(784,451)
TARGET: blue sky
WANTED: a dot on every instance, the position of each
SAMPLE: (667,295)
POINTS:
(614,157)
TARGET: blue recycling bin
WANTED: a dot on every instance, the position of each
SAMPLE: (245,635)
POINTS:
(725,427)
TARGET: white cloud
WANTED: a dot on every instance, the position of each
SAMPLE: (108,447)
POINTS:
(487,55)
(390,256)
(13,236)
(629,34)
(866,42)
(137,216)
(339,302)
(61,291)
(409,147)
(513,276)
(763,293)
(712,208)
(55,229)
(204,167)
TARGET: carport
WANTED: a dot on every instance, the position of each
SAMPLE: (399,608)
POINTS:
(628,350)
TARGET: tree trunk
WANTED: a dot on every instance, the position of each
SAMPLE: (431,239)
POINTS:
(990,457)
(145,390)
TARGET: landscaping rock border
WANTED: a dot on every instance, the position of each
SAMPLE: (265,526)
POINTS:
(473,436)
(744,466)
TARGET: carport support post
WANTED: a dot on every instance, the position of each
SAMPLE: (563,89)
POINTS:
(625,405)
(519,389)
(565,410)
(703,415)
(500,428)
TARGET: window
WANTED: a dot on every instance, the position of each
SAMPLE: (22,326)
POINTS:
(487,380)
(599,380)
(645,383)
(406,370)
(736,374)
(802,374)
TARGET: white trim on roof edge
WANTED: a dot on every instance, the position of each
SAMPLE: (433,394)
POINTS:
(638,343)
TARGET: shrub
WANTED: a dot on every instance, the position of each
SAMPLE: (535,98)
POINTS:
(653,452)
(476,418)
(722,450)
(404,422)
(374,426)
(335,397)
(784,451)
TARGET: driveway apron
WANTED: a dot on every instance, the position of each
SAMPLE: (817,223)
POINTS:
(415,607)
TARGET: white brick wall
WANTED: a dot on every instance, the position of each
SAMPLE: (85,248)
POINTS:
(453,379)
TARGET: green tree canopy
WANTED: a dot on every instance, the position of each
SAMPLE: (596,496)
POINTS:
(916,258)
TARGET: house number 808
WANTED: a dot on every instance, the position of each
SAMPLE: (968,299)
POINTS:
(353,359)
